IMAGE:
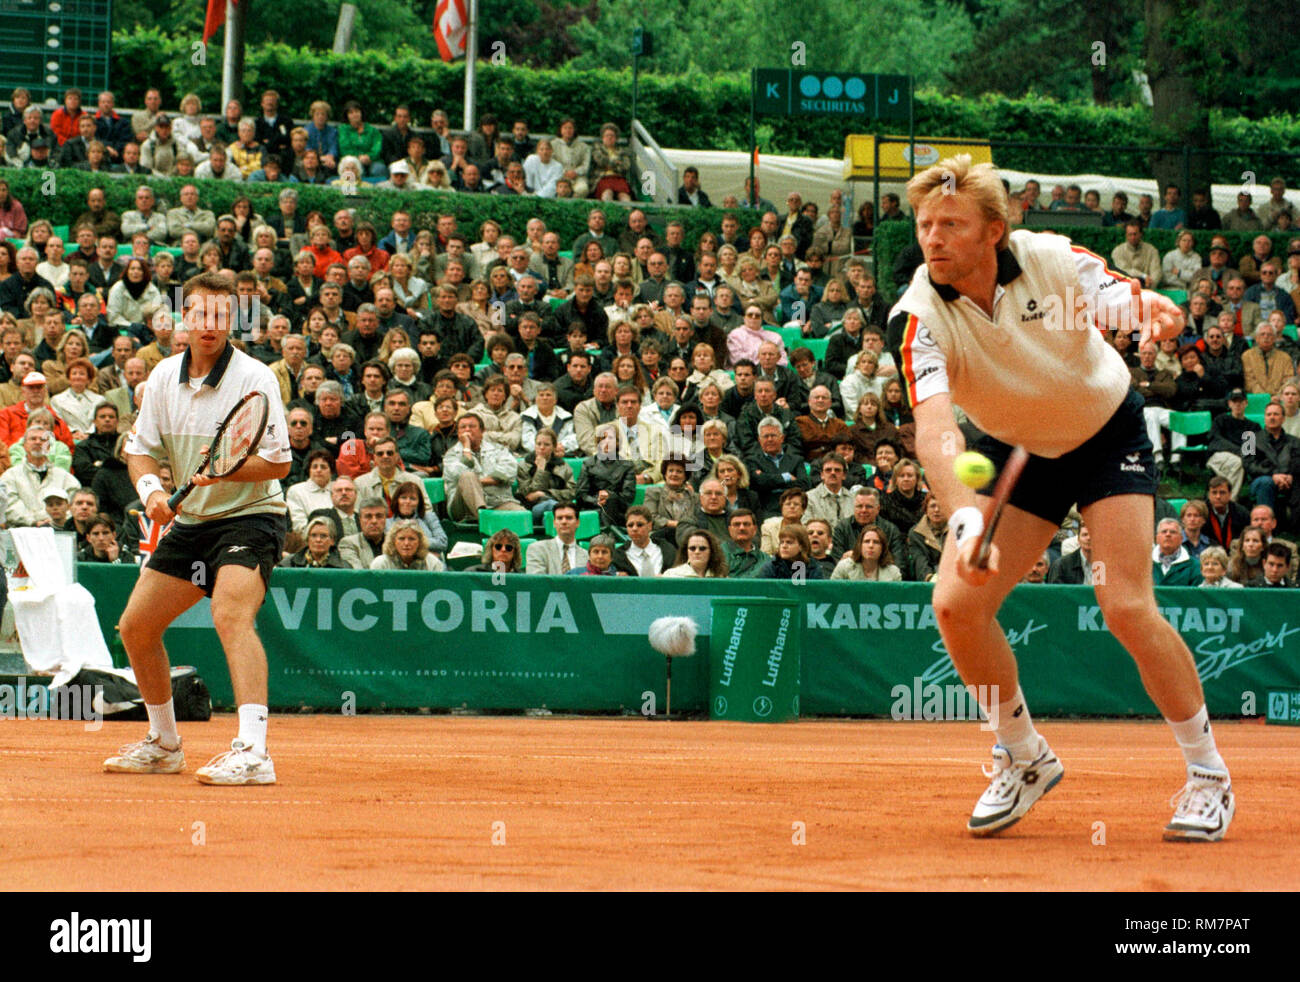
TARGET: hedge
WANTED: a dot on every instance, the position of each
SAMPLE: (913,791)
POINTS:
(691,110)
(568,218)
(891,238)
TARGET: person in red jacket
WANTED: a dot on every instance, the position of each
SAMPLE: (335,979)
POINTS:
(64,120)
(13,419)
(323,250)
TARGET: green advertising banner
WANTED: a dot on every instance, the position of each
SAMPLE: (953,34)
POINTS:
(393,640)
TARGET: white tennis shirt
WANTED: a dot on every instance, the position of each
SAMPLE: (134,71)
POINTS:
(1038,372)
(179,416)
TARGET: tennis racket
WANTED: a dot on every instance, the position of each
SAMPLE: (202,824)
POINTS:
(236,439)
(1011,472)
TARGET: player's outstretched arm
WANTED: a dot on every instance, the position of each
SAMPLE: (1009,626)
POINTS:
(938,442)
(1153,314)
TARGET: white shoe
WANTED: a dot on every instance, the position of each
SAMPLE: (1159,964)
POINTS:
(147,756)
(1204,808)
(1014,788)
(238,765)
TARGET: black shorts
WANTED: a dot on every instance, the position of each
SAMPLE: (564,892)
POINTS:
(196,552)
(1117,459)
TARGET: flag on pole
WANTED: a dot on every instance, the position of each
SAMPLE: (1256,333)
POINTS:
(216,16)
(450,28)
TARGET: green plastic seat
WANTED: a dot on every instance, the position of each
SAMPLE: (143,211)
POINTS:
(518,522)
(641,489)
(1292,332)
(435,489)
(1177,504)
(1256,418)
(1257,401)
(575,465)
(588,524)
(1190,425)
(789,335)
(1177,296)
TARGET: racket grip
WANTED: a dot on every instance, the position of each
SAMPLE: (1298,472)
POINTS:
(180,495)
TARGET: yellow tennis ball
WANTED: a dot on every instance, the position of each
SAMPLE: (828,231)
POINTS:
(973,469)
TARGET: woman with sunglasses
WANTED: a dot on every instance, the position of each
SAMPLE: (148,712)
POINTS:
(502,553)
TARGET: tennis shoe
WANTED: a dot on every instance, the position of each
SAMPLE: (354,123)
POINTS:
(1204,807)
(1013,788)
(238,765)
(147,756)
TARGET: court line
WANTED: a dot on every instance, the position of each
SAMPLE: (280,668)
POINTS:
(447,803)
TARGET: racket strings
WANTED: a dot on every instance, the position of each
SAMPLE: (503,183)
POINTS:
(237,438)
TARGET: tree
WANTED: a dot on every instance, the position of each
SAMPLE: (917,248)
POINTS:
(534,32)
(913,37)
(1056,48)
(1184,59)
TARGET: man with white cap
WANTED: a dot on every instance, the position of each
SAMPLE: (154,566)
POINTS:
(13,419)
(399,177)
(27,484)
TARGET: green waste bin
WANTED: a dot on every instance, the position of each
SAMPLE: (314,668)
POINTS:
(754,660)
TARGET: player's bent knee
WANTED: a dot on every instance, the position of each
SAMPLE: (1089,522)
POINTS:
(232,617)
(955,609)
(137,629)
(1129,616)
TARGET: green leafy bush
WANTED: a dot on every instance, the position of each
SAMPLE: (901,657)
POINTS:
(690,110)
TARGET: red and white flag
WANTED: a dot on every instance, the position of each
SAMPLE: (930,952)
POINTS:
(216,16)
(151,534)
(451,27)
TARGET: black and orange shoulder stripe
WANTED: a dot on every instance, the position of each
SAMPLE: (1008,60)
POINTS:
(910,328)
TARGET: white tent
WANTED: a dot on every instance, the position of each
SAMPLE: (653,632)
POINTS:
(723,172)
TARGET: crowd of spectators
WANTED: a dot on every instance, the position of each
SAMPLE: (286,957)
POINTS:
(672,391)
(1277,214)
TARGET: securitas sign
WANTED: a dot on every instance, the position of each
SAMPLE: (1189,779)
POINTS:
(797,92)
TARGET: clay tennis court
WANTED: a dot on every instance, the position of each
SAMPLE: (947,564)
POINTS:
(413,803)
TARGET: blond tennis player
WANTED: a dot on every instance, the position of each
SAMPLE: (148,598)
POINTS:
(1005,325)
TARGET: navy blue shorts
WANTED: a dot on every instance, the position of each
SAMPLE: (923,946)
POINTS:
(196,552)
(1117,459)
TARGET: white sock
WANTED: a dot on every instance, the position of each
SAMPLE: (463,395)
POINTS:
(252,726)
(162,720)
(1015,728)
(1196,740)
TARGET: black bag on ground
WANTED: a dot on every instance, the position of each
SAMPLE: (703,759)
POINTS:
(121,699)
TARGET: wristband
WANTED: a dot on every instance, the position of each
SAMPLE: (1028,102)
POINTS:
(147,485)
(966,523)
